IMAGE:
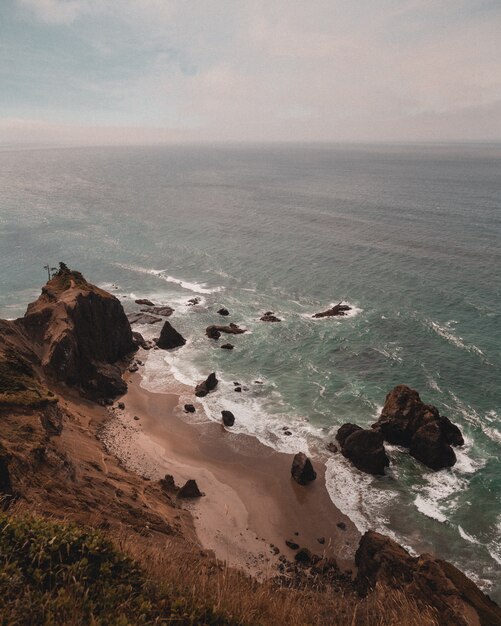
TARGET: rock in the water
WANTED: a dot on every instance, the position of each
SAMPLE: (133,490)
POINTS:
(407,421)
(227,346)
(194,301)
(365,449)
(337,310)
(165,311)
(432,581)
(228,418)
(269,316)
(223,312)
(214,331)
(345,431)
(190,490)
(189,408)
(302,470)
(140,341)
(142,318)
(170,338)
(203,388)
(237,389)
(145,302)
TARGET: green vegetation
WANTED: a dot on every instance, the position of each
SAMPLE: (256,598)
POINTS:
(19,385)
(59,574)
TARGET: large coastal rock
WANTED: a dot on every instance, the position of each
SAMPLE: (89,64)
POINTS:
(364,448)
(214,331)
(170,338)
(79,334)
(457,600)
(228,418)
(407,421)
(208,385)
(302,469)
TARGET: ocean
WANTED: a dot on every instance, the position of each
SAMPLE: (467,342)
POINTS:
(409,236)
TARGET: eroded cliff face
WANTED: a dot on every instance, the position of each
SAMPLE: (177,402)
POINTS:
(74,333)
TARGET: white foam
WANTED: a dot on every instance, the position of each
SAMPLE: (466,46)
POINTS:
(429,508)
(190,286)
(431,498)
(446,333)
(466,536)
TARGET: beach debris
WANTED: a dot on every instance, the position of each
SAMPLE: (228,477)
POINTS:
(203,388)
(364,448)
(142,318)
(170,338)
(407,421)
(227,346)
(136,418)
(223,312)
(269,316)
(228,418)
(337,310)
(189,408)
(190,490)
(302,470)
(292,544)
(145,301)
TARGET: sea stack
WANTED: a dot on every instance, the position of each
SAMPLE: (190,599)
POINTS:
(302,469)
(170,338)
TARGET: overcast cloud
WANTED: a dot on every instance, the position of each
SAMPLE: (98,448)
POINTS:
(147,71)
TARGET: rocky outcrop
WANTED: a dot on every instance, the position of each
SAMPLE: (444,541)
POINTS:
(227,346)
(224,312)
(407,421)
(228,418)
(140,341)
(190,490)
(269,316)
(189,408)
(164,311)
(143,318)
(170,338)
(302,469)
(78,334)
(145,302)
(208,385)
(364,448)
(214,331)
(335,311)
(457,600)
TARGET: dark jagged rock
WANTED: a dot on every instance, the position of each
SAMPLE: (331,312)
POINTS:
(78,334)
(189,408)
(168,483)
(190,490)
(228,418)
(227,346)
(203,388)
(237,389)
(364,448)
(424,578)
(304,556)
(269,316)
(292,544)
(194,301)
(121,405)
(140,341)
(143,318)
(164,311)
(214,331)
(345,431)
(302,470)
(224,312)
(170,338)
(407,421)
(337,310)
(145,302)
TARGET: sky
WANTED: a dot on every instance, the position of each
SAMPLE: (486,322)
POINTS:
(155,71)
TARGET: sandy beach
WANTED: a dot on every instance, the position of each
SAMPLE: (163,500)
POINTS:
(251,504)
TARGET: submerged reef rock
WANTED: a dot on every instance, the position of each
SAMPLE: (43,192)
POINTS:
(170,338)
(214,331)
(364,448)
(407,421)
(380,560)
(269,316)
(302,470)
(224,312)
(203,388)
(337,310)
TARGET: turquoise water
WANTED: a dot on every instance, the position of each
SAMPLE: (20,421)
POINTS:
(409,236)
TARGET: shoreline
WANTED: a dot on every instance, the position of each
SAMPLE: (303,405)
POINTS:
(251,504)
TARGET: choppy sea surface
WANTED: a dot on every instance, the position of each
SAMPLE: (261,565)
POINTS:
(410,236)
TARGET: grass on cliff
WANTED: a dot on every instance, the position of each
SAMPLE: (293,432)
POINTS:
(55,574)
(19,384)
